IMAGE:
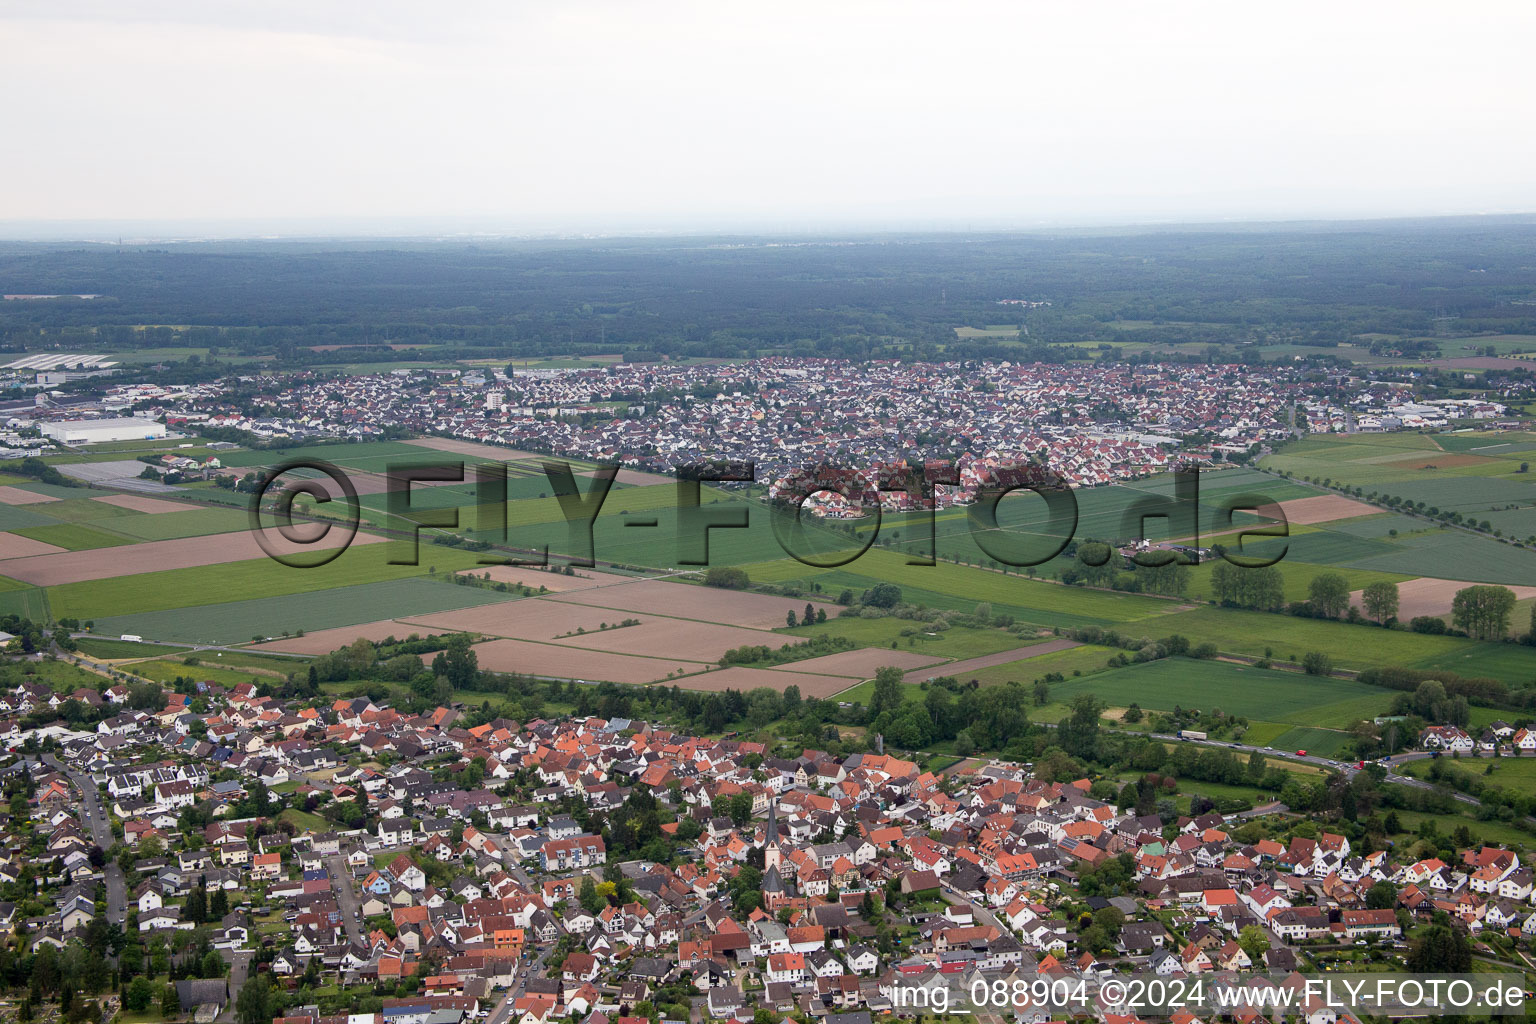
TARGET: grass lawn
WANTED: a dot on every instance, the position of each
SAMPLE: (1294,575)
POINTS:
(1322,742)
(168,669)
(61,676)
(1482,831)
(305,822)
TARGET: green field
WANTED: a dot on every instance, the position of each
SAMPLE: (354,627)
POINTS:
(195,522)
(73,536)
(1320,742)
(209,670)
(29,603)
(1475,474)
(1235,631)
(1298,576)
(958,642)
(93,647)
(243,581)
(1242,690)
(1085,659)
(342,454)
(238,621)
(14,517)
(84,510)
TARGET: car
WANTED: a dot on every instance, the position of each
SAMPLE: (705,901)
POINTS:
(1301,753)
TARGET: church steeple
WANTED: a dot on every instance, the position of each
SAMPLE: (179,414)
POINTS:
(771,839)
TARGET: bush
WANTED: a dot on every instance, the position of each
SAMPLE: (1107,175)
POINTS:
(1316,663)
(1426,624)
(727,578)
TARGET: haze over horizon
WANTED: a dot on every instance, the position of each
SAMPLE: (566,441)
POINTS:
(284,118)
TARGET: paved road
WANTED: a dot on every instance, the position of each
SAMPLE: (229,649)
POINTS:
(347,898)
(188,648)
(1346,767)
(239,970)
(534,968)
(101,832)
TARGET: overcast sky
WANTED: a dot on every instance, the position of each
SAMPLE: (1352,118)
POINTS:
(570,116)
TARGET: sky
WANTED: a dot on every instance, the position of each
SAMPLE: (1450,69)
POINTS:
(585,116)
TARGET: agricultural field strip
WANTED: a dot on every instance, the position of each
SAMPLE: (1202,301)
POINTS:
(991,660)
(599,634)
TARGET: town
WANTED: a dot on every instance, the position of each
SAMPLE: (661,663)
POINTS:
(217,850)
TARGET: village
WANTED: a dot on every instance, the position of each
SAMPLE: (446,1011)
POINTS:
(610,870)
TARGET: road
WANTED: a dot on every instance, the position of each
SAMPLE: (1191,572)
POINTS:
(101,833)
(239,970)
(979,912)
(188,648)
(347,898)
(520,984)
(1346,767)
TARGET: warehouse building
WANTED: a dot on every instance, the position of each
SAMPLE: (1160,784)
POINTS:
(117,428)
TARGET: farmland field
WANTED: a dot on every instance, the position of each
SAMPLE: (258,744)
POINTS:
(154,557)
(967,669)
(29,603)
(1236,689)
(113,649)
(544,659)
(955,642)
(74,536)
(237,621)
(240,582)
(12,495)
(706,604)
(1083,659)
(1354,647)
(185,522)
(16,516)
(18,545)
(738,677)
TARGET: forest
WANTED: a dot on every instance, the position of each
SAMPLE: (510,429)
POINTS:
(887,296)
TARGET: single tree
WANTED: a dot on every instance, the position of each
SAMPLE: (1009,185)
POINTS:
(1380,600)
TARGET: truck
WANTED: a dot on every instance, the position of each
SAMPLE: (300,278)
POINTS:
(1191,734)
(132,638)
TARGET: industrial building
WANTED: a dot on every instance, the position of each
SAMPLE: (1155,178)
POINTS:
(117,428)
